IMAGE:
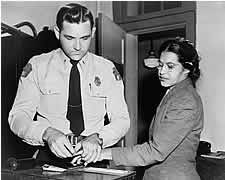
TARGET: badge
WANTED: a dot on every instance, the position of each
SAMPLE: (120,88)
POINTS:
(97,81)
(26,70)
(116,74)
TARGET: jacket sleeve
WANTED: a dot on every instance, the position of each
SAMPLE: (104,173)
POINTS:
(176,124)
(24,108)
(116,109)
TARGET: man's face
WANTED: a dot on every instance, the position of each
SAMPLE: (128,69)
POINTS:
(75,39)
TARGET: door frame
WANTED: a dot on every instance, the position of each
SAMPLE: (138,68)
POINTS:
(185,21)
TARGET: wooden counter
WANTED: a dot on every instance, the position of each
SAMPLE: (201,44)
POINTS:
(210,169)
(73,174)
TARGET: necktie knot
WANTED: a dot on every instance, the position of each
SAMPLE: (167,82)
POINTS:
(73,62)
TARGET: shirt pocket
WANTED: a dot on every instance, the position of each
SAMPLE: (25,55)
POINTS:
(96,91)
(53,99)
(50,88)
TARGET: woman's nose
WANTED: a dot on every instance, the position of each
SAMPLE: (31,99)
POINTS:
(163,69)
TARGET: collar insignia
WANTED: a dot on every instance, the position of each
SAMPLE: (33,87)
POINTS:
(116,74)
(26,70)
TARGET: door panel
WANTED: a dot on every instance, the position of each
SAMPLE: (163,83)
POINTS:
(116,45)
(110,38)
(131,86)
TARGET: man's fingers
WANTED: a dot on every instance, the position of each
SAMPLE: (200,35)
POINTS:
(65,147)
(54,148)
(90,154)
(61,150)
(92,157)
(54,152)
(69,148)
(76,160)
(100,141)
(91,146)
(78,147)
(79,153)
(85,152)
(58,143)
(95,155)
(97,158)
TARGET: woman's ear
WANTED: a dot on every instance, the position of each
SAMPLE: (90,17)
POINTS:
(57,32)
(186,71)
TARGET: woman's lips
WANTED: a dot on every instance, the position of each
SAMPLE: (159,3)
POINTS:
(162,79)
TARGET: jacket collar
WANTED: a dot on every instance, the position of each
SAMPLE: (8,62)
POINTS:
(183,84)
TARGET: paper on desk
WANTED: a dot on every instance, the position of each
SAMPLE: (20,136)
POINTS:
(47,167)
(215,155)
(104,171)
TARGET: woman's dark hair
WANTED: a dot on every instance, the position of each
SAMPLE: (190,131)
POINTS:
(187,55)
(74,13)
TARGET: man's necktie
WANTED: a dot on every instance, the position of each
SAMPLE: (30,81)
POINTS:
(74,110)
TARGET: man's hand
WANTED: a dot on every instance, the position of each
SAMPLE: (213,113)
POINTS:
(104,154)
(58,143)
(91,147)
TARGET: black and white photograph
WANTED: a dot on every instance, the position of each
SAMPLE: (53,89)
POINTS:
(106,90)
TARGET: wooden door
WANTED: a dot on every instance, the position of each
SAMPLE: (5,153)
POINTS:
(110,39)
(116,45)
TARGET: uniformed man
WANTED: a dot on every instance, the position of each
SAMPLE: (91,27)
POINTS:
(44,90)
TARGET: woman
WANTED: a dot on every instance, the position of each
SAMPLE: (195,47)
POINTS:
(174,132)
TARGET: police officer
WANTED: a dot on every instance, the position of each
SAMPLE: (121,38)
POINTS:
(44,90)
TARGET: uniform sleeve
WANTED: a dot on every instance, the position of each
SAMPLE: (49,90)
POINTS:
(24,108)
(178,122)
(116,109)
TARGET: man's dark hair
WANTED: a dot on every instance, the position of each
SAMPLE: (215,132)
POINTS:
(74,13)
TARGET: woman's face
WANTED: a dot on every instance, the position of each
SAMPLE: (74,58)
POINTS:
(170,70)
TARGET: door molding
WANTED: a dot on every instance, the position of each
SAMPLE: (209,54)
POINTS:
(185,20)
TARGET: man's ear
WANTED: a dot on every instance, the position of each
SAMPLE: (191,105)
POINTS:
(93,32)
(56,30)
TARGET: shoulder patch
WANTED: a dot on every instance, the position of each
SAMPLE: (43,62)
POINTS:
(116,74)
(26,70)
(97,81)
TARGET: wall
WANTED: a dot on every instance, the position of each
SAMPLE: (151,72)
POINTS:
(43,13)
(210,40)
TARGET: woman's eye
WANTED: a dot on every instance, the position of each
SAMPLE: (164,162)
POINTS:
(170,66)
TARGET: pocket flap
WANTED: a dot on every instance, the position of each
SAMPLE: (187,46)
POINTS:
(50,88)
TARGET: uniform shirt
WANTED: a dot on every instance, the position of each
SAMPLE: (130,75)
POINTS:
(44,88)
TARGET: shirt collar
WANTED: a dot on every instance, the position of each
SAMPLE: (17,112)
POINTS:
(66,59)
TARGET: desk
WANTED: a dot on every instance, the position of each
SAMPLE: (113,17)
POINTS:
(210,169)
(74,174)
